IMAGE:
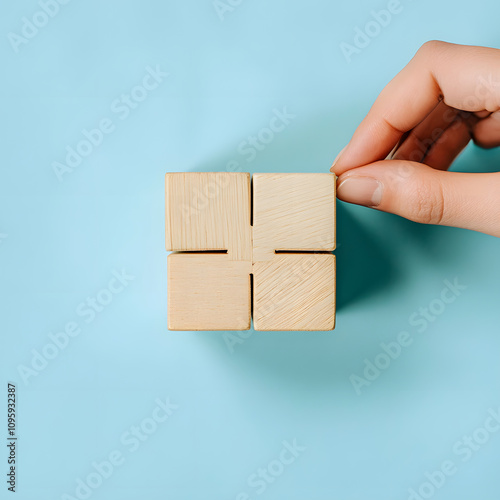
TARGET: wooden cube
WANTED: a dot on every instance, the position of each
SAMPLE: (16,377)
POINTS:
(295,292)
(288,251)
(208,292)
(293,212)
(209,211)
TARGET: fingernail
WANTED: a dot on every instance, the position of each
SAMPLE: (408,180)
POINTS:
(364,191)
(337,158)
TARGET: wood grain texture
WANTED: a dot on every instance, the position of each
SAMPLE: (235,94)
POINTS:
(295,292)
(208,211)
(293,212)
(208,292)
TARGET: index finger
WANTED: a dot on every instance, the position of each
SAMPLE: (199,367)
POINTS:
(465,77)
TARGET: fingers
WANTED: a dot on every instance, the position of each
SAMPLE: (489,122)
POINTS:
(449,145)
(435,74)
(426,133)
(486,133)
(422,194)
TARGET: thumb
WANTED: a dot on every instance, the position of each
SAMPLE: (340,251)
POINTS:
(423,194)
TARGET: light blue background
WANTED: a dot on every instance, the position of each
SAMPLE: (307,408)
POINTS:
(64,239)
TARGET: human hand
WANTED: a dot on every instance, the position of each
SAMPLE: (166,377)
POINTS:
(447,95)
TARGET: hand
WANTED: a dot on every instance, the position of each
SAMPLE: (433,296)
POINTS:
(447,95)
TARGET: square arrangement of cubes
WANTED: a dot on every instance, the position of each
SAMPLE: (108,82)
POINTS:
(246,248)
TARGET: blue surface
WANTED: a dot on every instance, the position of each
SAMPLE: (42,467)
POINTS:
(62,240)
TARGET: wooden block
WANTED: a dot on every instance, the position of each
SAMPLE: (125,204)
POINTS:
(208,292)
(295,292)
(293,216)
(208,211)
(293,212)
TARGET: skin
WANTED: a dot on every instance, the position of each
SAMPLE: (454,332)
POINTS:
(446,96)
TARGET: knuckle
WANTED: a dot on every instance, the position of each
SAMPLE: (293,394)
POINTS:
(431,46)
(428,203)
